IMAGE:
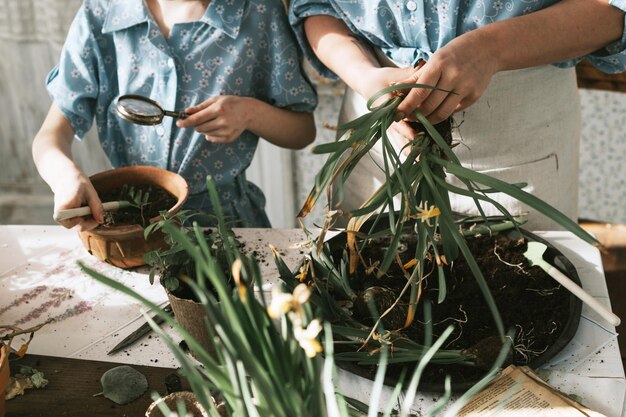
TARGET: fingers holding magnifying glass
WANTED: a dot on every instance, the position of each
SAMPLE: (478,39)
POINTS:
(221,119)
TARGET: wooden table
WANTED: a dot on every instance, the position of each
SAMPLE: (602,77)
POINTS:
(72,386)
(38,268)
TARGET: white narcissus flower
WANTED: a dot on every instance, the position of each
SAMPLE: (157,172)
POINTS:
(307,338)
(284,302)
(281,303)
(301,294)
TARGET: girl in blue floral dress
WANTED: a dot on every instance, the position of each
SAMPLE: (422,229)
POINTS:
(508,63)
(232,65)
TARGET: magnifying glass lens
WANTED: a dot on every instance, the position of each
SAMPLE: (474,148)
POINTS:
(140,108)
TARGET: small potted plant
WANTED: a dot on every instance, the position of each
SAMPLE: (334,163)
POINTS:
(148,191)
(178,270)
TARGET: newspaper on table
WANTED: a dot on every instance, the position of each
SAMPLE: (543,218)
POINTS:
(518,391)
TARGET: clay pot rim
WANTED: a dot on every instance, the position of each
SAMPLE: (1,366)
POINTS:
(122,231)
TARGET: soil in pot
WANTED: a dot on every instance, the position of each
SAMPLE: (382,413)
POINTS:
(543,314)
(147,202)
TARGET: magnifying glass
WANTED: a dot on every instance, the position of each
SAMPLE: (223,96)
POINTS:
(143,111)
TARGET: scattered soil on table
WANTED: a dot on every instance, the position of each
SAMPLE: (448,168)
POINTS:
(530,302)
(158,200)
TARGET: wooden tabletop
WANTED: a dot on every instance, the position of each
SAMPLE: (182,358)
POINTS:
(71,386)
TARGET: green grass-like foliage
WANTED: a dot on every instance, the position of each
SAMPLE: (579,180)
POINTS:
(420,182)
(258,367)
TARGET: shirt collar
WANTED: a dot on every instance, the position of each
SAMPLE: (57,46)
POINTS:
(123,14)
(225,15)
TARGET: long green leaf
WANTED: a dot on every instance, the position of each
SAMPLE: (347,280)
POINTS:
(522,196)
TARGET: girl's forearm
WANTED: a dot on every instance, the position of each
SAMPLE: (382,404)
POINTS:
(341,51)
(52,149)
(565,30)
(281,127)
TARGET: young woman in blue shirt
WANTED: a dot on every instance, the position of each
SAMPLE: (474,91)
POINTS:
(234,67)
(515,104)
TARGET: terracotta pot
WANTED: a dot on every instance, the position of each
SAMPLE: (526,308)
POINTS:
(190,315)
(4,375)
(193,407)
(125,245)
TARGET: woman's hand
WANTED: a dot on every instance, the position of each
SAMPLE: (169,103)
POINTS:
(221,119)
(464,68)
(77,191)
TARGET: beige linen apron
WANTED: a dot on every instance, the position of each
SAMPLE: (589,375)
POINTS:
(525,128)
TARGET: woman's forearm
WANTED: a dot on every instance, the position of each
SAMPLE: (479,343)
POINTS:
(281,127)
(565,30)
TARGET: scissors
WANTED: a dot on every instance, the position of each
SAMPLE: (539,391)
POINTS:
(141,331)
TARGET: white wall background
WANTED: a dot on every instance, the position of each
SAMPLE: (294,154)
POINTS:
(31,35)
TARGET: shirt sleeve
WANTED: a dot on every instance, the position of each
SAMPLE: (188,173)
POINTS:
(299,10)
(73,83)
(289,87)
(611,58)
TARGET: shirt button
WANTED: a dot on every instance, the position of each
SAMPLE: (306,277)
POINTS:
(170,62)
(160,130)
(411,5)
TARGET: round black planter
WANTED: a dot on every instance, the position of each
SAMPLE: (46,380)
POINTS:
(567,330)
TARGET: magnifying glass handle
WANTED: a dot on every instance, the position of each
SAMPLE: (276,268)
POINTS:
(176,114)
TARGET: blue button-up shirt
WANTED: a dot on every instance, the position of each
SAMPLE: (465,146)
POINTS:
(410,30)
(245,48)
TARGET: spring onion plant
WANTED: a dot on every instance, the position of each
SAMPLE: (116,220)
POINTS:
(424,196)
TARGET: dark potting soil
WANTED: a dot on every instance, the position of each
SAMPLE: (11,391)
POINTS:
(530,302)
(158,200)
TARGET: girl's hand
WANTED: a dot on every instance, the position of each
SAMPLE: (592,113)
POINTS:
(464,67)
(221,119)
(401,133)
(376,79)
(76,192)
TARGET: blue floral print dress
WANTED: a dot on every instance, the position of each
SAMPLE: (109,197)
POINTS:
(246,48)
(409,30)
